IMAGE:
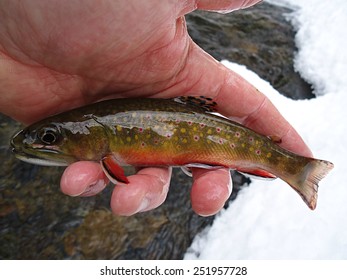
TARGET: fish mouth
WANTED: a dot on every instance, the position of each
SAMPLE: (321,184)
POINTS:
(41,157)
(38,160)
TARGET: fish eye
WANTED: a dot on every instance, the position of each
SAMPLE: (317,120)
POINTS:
(48,135)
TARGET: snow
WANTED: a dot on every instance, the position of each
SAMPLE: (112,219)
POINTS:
(268,220)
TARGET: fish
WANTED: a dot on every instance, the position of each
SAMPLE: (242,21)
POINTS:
(180,132)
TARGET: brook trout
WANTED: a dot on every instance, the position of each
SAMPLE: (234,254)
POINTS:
(164,132)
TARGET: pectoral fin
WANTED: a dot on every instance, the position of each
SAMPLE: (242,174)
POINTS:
(112,170)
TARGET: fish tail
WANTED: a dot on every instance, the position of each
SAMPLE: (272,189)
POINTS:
(306,183)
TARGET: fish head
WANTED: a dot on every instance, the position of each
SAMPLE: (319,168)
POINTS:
(60,143)
(41,144)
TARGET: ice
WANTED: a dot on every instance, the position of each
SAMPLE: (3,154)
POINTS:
(268,220)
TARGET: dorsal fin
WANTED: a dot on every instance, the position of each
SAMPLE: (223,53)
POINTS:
(202,102)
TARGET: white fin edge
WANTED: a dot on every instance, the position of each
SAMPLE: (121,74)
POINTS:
(187,168)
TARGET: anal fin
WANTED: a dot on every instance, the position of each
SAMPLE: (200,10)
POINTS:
(257,173)
(112,170)
(187,168)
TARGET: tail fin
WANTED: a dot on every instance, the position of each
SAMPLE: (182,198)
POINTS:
(307,182)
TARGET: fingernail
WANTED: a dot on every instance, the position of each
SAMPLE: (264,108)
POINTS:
(93,188)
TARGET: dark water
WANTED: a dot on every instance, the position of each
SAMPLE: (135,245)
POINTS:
(38,222)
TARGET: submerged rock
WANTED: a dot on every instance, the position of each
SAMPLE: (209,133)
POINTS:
(39,222)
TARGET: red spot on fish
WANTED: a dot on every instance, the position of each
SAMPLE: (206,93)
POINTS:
(220,141)
(202,125)
(232,145)
(156,141)
(258,152)
(218,129)
(178,121)
(140,129)
(143,144)
(190,123)
(251,139)
(237,134)
(168,135)
(196,137)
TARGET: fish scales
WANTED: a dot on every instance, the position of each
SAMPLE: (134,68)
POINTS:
(164,132)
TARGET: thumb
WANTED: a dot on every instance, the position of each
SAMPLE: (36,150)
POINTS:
(236,98)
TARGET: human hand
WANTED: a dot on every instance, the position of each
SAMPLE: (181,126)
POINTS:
(57,55)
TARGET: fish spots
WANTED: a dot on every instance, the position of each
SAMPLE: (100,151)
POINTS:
(209,131)
(232,145)
(251,139)
(196,137)
(216,139)
(189,123)
(258,152)
(128,139)
(119,128)
(184,141)
(183,130)
(268,155)
(237,134)
(140,129)
(202,125)
(218,129)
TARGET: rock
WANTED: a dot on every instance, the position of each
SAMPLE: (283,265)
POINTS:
(39,222)
(258,37)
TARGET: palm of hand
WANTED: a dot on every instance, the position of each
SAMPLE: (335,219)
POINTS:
(60,65)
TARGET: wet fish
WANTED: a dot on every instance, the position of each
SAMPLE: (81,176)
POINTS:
(164,132)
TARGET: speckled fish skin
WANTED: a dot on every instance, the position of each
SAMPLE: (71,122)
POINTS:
(164,132)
